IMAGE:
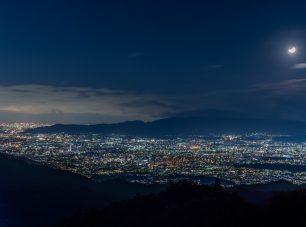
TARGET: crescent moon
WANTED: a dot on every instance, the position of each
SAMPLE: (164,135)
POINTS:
(292,50)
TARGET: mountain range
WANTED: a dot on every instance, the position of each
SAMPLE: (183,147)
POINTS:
(183,126)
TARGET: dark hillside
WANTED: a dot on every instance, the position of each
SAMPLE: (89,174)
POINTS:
(187,204)
(33,195)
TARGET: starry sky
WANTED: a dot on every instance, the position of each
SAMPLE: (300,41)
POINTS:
(102,61)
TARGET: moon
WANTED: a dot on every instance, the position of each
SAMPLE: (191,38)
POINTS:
(292,50)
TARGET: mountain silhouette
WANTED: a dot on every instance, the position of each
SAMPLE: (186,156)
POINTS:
(182,126)
(187,204)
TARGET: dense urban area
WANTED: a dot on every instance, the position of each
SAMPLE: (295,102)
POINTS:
(236,159)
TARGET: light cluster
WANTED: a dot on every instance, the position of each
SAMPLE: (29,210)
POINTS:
(237,159)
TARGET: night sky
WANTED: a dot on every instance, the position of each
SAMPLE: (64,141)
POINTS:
(109,61)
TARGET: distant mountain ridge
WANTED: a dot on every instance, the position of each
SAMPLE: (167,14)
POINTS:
(182,126)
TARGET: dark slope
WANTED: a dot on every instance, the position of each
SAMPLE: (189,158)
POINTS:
(32,195)
(182,126)
(186,204)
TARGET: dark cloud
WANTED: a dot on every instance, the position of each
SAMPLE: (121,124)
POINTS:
(284,99)
(21,90)
(150,103)
(83,94)
(108,92)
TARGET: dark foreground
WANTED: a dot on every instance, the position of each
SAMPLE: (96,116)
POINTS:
(186,204)
(32,195)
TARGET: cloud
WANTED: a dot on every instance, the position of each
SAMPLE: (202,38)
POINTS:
(72,104)
(283,87)
(299,66)
(279,100)
(42,103)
